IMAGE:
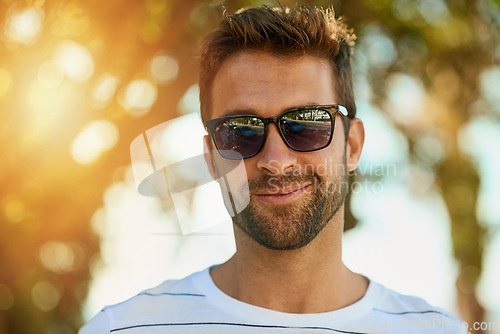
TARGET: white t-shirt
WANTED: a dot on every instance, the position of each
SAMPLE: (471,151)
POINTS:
(195,305)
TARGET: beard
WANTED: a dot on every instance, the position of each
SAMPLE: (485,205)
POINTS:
(294,225)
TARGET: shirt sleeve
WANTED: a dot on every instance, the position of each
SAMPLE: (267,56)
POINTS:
(98,325)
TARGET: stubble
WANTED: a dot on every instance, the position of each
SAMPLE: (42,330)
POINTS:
(295,225)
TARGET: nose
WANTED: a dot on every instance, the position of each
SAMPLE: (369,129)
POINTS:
(276,157)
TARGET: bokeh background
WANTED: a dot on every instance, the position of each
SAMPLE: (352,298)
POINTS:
(79,80)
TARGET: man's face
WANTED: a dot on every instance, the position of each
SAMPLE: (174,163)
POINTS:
(293,195)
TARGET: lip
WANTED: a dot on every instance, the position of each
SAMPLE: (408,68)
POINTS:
(282,196)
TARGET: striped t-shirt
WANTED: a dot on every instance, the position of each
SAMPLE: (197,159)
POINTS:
(196,305)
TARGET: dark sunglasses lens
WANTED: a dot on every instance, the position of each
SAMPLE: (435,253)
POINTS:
(307,130)
(239,137)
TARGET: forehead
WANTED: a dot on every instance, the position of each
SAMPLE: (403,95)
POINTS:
(264,84)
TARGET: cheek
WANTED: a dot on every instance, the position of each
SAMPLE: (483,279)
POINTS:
(233,182)
(329,164)
(233,173)
(252,169)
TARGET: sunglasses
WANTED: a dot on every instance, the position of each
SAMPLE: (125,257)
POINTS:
(304,129)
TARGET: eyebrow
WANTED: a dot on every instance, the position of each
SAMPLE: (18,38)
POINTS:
(239,112)
(251,112)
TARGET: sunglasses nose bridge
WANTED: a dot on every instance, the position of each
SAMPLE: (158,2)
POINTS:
(276,120)
(272,120)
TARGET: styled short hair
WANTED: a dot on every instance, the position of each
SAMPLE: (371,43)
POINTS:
(283,32)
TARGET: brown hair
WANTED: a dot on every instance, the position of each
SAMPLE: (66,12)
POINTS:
(281,32)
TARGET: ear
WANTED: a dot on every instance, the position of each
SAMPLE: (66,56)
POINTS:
(354,144)
(207,153)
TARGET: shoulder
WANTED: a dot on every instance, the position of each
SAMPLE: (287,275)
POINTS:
(169,293)
(160,302)
(397,310)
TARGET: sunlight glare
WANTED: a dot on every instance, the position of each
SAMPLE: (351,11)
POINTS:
(190,102)
(57,257)
(406,95)
(164,69)
(139,96)
(104,89)
(93,140)
(380,134)
(45,295)
(429,149)
(378,46)
(490,80)
(75,60)
(191,145)
(25,26)
(434,12)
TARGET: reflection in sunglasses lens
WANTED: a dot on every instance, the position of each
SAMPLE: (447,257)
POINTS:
(303,130)
(243,135)
(307,130)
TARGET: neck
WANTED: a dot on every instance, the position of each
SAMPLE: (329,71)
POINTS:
(311,279)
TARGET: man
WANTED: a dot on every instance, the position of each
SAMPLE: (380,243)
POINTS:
(276,95)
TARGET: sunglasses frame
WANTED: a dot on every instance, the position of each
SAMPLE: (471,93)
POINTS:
(341,110)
